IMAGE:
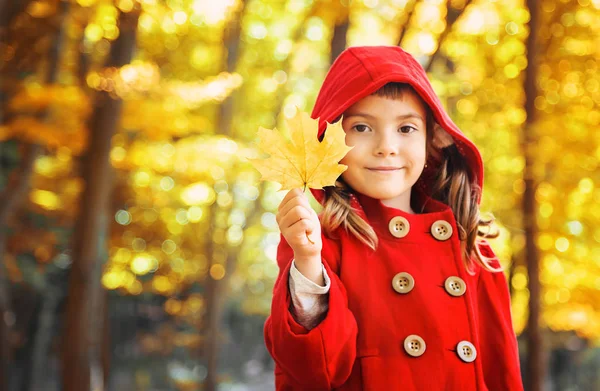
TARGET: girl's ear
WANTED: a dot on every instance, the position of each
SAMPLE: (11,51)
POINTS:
(441,138)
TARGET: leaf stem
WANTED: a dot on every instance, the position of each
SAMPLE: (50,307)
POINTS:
(311,242)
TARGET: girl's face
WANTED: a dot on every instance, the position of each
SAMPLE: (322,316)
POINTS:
(389,154)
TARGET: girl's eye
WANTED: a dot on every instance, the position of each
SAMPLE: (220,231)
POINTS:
(407,129)
(361,128)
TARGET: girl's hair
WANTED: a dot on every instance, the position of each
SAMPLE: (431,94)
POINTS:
(452,185)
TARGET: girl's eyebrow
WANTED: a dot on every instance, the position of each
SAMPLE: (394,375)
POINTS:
(408,115)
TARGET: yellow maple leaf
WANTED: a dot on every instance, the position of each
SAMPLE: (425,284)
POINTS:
(302,161)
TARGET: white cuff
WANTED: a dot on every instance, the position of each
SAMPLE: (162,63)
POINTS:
(304,285)
(310,301)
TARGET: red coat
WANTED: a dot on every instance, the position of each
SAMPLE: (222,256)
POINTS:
(407,316)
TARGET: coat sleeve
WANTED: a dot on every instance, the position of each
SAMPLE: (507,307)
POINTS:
(316,359)
(498,341)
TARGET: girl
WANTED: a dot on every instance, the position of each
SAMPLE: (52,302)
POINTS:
(395,290)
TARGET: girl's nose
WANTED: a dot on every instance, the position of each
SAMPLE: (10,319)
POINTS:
(386,145)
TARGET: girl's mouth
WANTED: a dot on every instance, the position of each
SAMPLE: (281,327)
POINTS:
(384,169)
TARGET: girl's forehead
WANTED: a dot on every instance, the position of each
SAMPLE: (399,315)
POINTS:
(374,103)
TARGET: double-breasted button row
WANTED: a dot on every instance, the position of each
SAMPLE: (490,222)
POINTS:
(400,227)
(415,346)
(403,283)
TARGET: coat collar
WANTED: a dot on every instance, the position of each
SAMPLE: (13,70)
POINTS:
(429,211)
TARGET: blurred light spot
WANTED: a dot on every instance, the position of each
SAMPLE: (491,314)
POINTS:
(213,12)
(221,186)
(150,215)
(46,199)
(138,244)
(174,228)
(280,76)
(117,154)
(586,185)
(235,234)
(268,220)
(125,5)
(545,241)
(161,284)
(141,179)
(63,261)
(172,306)
(93,32)
(111,280)
(194,214)
(217,272)
(289,110)
(511,71)
(169,246)
(167,183)
(314,33)
(546,209)
(257,287)
(217,172)
(575,227)
(237,217)
(224,199)
(427,43)
(123,217)
(257,30)
(143,264)
(564,295)
(283,49)
(135,288)
(512,28)
(180,17)
(197,194)
(519,186)
(182,216)
(519,281)
(562,244)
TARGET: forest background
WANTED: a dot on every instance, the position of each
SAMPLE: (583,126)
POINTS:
(137,244)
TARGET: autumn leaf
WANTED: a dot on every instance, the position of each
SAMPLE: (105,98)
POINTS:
(302,161)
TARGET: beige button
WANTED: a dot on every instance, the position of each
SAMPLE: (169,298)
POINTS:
(466,351)
(441,230)
(455,286)
(414,345)
(399,226)
(403,282)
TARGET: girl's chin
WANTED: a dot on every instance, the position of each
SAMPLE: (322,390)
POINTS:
(384,194)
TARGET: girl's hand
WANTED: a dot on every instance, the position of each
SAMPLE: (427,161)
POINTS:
(300,226)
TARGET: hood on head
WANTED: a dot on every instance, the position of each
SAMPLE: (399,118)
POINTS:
(360,71)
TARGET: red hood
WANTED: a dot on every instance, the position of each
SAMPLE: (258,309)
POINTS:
(360,71)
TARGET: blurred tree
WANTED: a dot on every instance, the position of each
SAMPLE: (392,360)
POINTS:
(535,372)
(82,368)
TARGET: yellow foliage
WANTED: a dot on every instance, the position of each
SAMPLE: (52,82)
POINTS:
(48,134)
(304,161)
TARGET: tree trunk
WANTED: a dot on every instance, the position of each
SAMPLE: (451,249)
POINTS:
(339,40)
(410,11)
(10,200)
(17,190)
(452,16)
(529,139)
(84,313)
(232,43)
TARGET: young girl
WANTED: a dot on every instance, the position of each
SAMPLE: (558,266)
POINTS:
(394,290)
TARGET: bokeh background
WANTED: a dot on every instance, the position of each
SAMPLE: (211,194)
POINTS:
(137,244)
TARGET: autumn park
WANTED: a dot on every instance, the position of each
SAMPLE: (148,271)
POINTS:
(137,240)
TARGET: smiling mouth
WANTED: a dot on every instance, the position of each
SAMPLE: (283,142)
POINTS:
(391,169)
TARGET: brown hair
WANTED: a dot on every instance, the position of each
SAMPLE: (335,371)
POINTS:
(452,185)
